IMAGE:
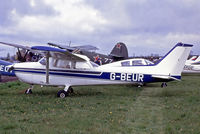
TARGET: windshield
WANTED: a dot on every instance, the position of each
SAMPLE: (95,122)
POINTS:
(94,64)
(43,61)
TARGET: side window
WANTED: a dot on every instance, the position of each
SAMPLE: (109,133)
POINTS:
(125,63)
(136,62)
(62,63)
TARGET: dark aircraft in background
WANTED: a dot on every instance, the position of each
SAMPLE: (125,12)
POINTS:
(119,52)
(24,53)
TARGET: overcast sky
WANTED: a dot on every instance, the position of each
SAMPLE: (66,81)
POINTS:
(145,26)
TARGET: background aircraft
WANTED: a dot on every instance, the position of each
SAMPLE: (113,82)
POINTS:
(119,52)
(4,69)
(192,65)
(62,68)
(24,53)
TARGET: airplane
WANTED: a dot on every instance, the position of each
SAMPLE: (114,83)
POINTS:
(4,69)
(192,65)
(119,52)
(24,53)
(61,68)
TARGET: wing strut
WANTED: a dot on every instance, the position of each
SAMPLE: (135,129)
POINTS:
(47,67)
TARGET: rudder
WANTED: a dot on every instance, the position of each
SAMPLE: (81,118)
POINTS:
(119,52)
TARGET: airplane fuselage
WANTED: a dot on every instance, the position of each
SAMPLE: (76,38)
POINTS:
(35,73)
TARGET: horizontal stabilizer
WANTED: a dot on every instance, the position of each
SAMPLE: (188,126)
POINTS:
(165,77)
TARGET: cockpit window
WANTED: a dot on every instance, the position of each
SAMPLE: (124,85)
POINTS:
(137,62)
(43,61)
(125,63)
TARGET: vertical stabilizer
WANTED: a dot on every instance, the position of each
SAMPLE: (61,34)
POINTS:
(119,52)
(173,62)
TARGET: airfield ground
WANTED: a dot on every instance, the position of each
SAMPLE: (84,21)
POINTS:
(102,109)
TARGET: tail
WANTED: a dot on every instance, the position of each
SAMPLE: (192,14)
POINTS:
(173,62)
(119,52)
(4,69)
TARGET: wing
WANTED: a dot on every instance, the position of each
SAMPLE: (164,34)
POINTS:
(60,53)
(83,47)
(16,45)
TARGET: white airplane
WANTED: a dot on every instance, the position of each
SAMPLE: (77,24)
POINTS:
(62,68)
(192,65)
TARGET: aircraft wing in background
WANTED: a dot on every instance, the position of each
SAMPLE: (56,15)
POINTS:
(69,48)
(25,53)
(58,53)
(16,45)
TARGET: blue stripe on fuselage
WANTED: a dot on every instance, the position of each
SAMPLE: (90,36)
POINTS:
(128,77)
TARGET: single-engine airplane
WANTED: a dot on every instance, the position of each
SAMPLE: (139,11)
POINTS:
(62,68)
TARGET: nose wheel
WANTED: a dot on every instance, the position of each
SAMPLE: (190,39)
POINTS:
(29,90)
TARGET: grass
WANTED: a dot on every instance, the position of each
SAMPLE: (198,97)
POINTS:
(102,109)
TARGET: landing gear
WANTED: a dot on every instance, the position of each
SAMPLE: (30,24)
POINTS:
(65,92)
(62,94)
(29,90)
(164,84)
(70,90)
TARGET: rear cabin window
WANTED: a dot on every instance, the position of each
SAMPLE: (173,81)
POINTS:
(125,63)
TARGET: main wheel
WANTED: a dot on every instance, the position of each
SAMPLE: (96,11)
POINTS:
(164,84)
(62,94)
(70,90)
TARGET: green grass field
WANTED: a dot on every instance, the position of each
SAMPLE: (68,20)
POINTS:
(102,109)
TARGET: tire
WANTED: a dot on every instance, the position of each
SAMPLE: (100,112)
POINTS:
(28,91)
(70,90)
(62,94)
(164,84)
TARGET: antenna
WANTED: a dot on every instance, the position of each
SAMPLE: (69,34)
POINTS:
(70,43)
